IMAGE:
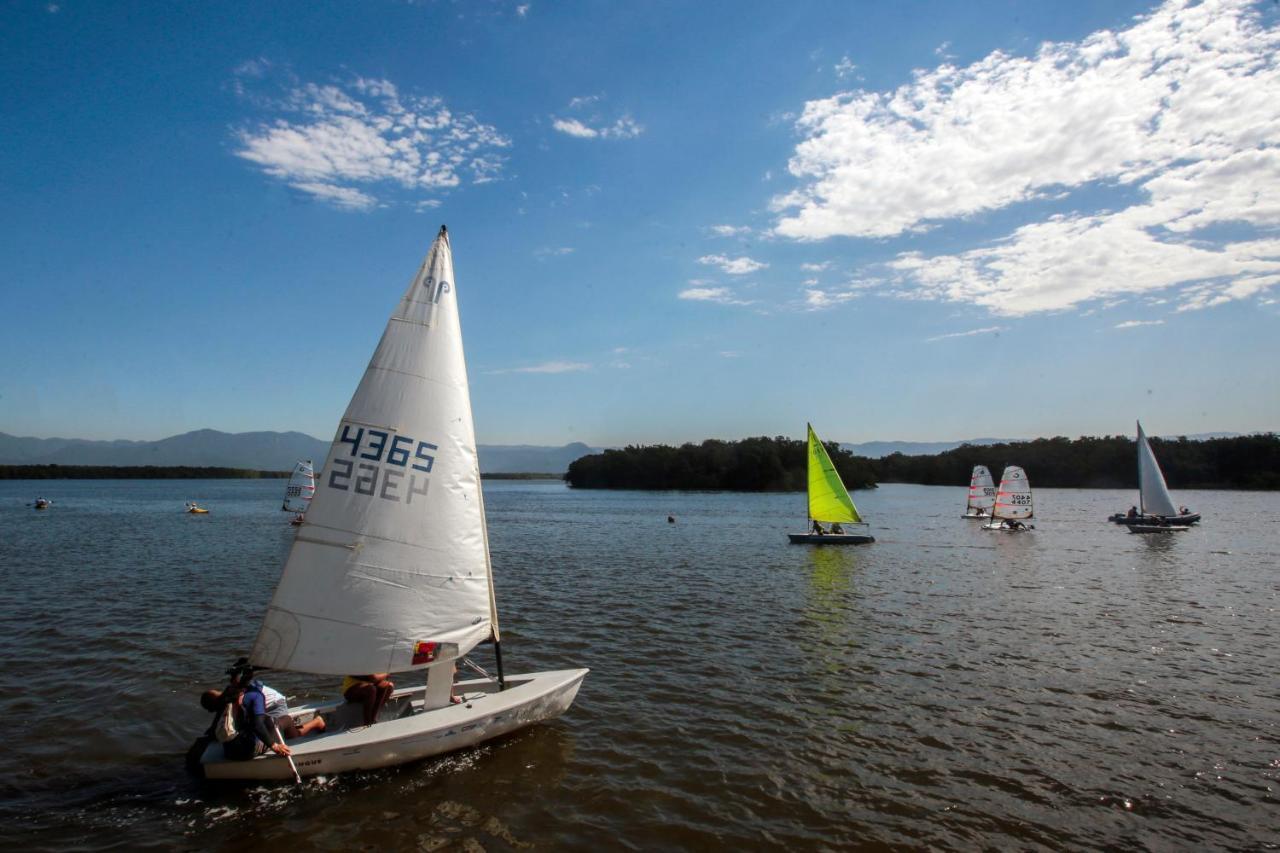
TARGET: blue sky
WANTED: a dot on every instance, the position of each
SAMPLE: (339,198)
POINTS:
(670,221)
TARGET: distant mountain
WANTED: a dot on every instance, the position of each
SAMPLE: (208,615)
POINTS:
(265,451)
(878,449)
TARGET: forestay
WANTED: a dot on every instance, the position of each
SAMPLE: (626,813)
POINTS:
(982,489)
(1153,494)
(1013,500)
(391,571)
(301,488)
(828,498)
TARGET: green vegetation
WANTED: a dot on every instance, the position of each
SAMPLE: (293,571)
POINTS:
(778,464)
(520,476)
(751,465)
(142,472)
(1242,462)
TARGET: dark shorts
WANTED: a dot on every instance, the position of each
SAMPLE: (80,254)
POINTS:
(288,727)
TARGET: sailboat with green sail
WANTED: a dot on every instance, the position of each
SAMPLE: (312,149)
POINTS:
(829,503)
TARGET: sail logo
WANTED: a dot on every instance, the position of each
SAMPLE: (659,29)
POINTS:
(435,288)
(396,468)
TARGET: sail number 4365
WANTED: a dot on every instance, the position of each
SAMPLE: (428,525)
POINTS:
(391,461)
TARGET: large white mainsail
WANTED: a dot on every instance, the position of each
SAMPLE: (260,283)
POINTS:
(1013,500)
(301,488)
(982,489)
(1153,494)
(391,571)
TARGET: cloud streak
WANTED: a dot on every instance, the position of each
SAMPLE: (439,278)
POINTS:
(988,330)
(732,266)
(1181,108)
(351,144)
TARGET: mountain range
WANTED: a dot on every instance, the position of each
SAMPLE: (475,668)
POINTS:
(277,451)
(264,451)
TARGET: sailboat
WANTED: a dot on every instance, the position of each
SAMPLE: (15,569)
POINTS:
(982,493)
(1155,504)
(300,491)
(391,572)
(1013,502)
(829,502)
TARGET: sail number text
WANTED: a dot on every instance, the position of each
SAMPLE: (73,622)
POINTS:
(1020,500)
(388,473)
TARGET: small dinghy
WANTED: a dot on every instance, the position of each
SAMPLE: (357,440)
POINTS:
(982,494)
(195,510)
(392,571)
(1013,504)
(300,490)
(1155,504)
(829,501)
(42,503)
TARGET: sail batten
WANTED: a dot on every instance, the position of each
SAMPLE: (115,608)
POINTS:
(1153,493)
(828,498)
(408,584)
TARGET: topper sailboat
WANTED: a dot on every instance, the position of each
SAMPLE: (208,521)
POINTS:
(982,493)
(300,490)
(829,501)
(1155,504)
(1013,502)
(391,571)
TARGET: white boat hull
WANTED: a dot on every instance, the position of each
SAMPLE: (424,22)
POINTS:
(406,733)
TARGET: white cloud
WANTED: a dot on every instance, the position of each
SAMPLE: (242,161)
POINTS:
(550,252)
(523,10)
(730,353)
(1133,324)
(845,67)
(820,300)
(730,230)
(593,127)
(825,265)
(719,295)
(984,331)
(340,143)
(548,367)
(732,266)
(1183,106)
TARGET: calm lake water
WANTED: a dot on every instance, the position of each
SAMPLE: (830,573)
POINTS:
(946,687)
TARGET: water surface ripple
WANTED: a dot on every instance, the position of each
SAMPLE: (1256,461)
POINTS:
(945,688)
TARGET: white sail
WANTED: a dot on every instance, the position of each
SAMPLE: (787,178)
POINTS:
(1013,499)
(1153,494)
(301,488)
(982,490)
(391,570)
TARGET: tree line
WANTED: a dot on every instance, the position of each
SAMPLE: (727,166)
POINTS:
(751,465)
(139,472)
(780,464)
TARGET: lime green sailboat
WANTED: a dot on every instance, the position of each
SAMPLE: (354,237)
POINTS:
(829,502)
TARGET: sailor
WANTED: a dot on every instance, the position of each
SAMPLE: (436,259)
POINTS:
(1132,513)
(836,528)
(817,528)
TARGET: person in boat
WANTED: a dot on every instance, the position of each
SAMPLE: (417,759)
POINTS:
(837,528)
(1014,524)
(1182,510)
(817,528)
(671,519)
(1132,513)
(275,706)
(370,691)
(256,731)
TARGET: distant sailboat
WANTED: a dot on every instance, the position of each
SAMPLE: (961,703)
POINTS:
(1155,504)
(300,491)
(829,502)
(1013,502)
(392,572)
(982,493)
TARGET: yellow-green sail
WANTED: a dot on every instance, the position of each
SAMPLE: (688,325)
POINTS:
(828,498)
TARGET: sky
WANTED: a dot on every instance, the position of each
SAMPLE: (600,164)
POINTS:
(670,221)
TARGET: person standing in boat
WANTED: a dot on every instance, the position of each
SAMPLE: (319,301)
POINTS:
(370,691)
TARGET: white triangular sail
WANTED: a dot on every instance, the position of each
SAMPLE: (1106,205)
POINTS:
(1013,499)
(982,489)
(301,488)
(391,570)
(1153,494)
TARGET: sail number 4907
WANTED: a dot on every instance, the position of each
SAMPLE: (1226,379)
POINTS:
(391,461)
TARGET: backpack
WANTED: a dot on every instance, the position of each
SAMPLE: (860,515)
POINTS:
(224,728)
